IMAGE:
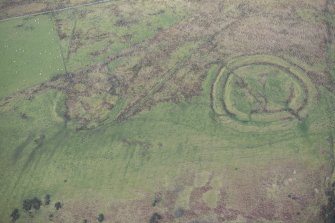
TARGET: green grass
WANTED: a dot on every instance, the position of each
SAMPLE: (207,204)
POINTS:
(41,153)
(241,101)
(178,134)
(29,53)
(263,82)
(142,23)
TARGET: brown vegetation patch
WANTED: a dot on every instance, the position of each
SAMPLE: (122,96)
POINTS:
(9,8)
(79,210)
(277,192)
(155,72)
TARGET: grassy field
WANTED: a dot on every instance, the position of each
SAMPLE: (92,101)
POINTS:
(30,53)
(168,112)
(130,155)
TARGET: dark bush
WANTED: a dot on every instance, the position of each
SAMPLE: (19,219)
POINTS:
(58,205)
(36,203)
(15,215)
(155,218)
(101,218)
(47,199)
(27,205)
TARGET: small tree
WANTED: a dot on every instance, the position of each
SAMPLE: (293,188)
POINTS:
(36,203)
(58,205)
(47,199)
(27,205)
(101,217)
(15,215)
(155,218)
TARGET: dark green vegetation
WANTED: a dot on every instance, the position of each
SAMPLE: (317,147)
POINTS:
(101,217)
(31,209)
(47,199)
(167,111)
(15,215)
(155,218)
(30,204)
(58,205)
